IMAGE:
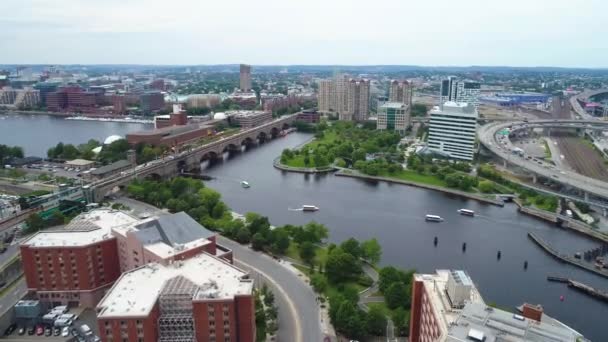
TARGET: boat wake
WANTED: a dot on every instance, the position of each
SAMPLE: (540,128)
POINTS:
(295,209)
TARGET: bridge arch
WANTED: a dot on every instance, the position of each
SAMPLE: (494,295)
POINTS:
(285,125)
(210,155)
(262,136)
(232,147)
(274,132)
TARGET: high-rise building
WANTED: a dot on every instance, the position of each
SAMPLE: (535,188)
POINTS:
(455,90)
(245,77)
(452,130)
(357,101)
(393,116)
(401,91)
(447,307)
(326,96)
(340,95)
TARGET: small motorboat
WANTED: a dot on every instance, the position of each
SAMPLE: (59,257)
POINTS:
(466,212)
(307,207)
(433,218)
(245,184)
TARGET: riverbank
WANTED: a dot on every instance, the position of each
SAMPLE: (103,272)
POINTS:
(469,195)
(277,164)
(32,112)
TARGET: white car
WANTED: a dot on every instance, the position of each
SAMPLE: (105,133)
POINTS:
(65,332)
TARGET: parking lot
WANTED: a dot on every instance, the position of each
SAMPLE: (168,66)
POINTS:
(86,316)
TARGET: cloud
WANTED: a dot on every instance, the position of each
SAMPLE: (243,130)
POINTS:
(465,32)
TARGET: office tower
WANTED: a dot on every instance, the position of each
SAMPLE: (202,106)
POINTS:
(358,101)
(452,130)
(245,77)
(393,116)
(401,91)
(455,90)
(447,307)
(325,95)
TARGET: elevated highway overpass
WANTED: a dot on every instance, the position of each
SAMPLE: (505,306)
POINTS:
(576,100)
(502,147)
(188,160)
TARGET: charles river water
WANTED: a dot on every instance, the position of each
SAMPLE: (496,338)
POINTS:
(394,214)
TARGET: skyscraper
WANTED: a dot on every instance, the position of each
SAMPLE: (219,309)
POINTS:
(401,91)
(455,90)
(325,96)
(358,101)
(340,96)
(245,77)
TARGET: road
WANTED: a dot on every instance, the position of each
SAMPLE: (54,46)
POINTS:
(298,309)
(487,136)
(11,252)
(303,310)
(13,295)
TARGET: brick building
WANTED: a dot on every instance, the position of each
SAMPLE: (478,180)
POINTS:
(309,116)
(151,101)
(171,136)
(203,298)
(447,307)
(77,264)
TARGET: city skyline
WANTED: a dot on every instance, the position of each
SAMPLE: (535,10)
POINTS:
(432,33)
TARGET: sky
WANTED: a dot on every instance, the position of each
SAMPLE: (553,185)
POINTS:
(563,33)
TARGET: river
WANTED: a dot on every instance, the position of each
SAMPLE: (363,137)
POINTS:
(394,214)
(36,133)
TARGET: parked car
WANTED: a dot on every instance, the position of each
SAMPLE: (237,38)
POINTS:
(65,332)
(31,330)
(21,331)
(39,330)
(11,328)
(48,331)
(74,332)
(56,331)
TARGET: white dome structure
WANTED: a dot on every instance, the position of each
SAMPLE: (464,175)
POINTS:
(111,139)
(219,116)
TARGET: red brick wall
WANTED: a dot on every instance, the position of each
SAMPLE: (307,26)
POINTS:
(71,268)
(202,320)
(245,310)
(130,328)
(417,288)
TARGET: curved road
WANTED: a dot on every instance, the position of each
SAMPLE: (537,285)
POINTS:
(488,137)
(299,316)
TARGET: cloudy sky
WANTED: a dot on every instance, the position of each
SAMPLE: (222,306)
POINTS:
(565,33)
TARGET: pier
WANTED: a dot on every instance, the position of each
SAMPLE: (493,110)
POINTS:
(566,258)
(593,292)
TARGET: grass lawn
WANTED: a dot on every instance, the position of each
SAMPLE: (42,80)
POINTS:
(413,176)
(294,253)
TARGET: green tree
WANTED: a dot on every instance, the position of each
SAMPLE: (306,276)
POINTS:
(389,275)
(401,319)
(57,218)
(307,252)
(318,282)
(486,186)
(358,154)
(258,241)
(350,320)
(243,235)
(352,247)
(397,295)
(375,322)
(371,250)
(280,241)
(34,223)
(341,266)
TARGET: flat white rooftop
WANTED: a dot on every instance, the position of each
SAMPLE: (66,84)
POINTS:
(136,292)
(83,230)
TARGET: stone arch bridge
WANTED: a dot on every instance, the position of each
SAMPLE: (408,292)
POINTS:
(189,160)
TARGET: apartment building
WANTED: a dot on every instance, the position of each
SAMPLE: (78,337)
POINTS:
(453,129)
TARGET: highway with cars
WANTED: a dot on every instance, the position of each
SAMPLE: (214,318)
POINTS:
(501,146)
